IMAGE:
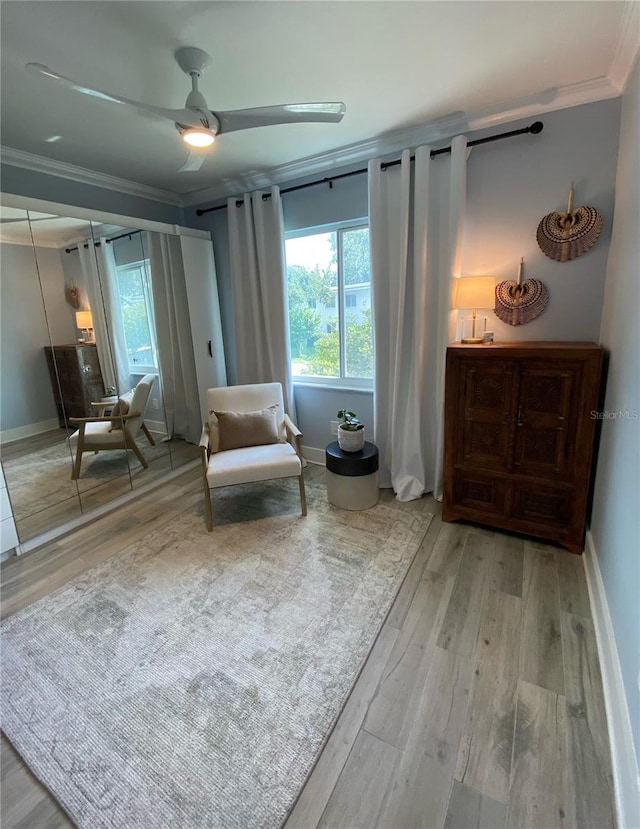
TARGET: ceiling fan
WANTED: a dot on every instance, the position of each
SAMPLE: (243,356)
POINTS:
(196,123)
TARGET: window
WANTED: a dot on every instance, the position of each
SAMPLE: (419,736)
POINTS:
(134,288)
(330,325)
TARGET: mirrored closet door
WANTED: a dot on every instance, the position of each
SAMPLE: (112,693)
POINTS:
(36,457)
(95,320)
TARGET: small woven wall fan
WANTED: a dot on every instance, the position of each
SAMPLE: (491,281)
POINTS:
(72,295)
(519,302)
(564,236)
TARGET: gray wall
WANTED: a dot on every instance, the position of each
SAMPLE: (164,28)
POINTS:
(615,523)
(60,315)
(54,188)
(25,392)
(511,185)
(73,273)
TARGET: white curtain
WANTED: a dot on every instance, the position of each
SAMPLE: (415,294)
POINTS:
(415,224)
(453,239)
(173,336)
(99,271)
(256,246)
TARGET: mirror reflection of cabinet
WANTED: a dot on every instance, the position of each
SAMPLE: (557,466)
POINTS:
(43,257)
(76,379)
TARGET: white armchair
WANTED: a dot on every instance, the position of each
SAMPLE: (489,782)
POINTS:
(119,431)
(248,437)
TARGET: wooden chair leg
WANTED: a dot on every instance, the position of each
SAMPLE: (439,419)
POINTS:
(303,495)
(148,434)
(208,510)
(131,444)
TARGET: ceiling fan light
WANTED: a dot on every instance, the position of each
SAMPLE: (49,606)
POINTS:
(198,137)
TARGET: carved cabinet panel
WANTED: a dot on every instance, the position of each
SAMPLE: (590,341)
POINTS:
(487,402)
(519,436)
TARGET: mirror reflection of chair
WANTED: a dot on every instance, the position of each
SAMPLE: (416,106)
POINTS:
(118,431)
(248,438)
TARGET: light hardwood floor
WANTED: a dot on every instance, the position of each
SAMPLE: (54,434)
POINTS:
(480,704)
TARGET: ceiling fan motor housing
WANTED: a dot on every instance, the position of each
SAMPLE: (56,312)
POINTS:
(192,60)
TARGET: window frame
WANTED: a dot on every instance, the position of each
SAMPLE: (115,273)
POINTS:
(342,382)
(143,267)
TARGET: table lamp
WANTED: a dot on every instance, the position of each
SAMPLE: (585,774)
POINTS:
(471,293)
(84,320)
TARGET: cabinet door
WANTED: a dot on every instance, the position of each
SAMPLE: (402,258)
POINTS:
(543,427)
(485,493)
(542,504)
(488,404)
(71,382)
(91,377)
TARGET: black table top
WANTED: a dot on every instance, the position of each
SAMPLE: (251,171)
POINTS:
(362,462)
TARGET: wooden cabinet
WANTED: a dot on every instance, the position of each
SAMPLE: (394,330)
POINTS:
(76,379)
(519,433)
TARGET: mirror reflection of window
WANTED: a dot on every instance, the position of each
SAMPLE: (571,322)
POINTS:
(134,291)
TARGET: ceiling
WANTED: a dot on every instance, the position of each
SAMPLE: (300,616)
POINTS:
(404,70)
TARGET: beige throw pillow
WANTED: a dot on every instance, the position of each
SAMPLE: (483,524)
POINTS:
(237,430)
(121,408)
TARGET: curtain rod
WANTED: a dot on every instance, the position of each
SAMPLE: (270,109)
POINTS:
(534,129)
(112,239)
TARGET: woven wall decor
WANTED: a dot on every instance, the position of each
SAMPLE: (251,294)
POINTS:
(72,295)
(565,236)
(519,302)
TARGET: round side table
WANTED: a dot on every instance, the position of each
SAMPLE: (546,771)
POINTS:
(352,477)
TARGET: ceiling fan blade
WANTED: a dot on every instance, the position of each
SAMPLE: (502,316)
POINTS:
(193,163)
(244,119)
(188,117)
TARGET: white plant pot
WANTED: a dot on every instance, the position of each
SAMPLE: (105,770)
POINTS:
(350,441)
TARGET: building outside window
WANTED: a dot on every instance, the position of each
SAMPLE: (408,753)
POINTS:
(134,289)
(330,322)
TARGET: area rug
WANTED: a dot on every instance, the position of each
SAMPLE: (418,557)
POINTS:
(192,679)
(40,479)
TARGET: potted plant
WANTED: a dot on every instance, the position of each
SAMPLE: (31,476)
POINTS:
(350,431)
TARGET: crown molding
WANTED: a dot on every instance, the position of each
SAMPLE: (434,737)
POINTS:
(628,47)
(550,100)
(48,166)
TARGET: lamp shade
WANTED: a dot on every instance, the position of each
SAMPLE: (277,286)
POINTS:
(474,292)
(84,319)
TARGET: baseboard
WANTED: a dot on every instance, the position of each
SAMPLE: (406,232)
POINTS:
(31,429)
(313,455)
(626,777)
(157,426)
